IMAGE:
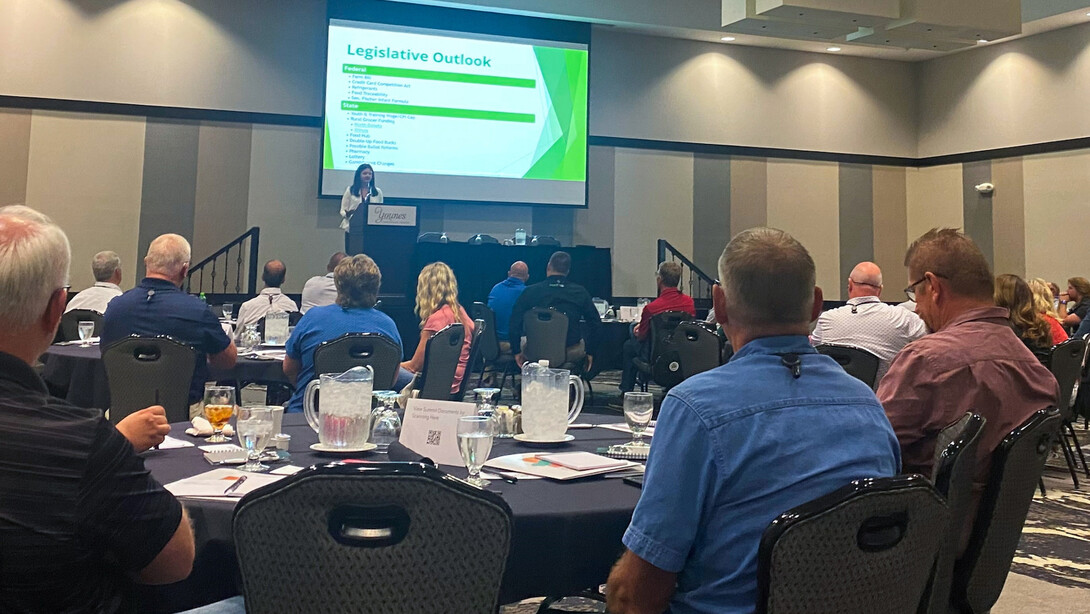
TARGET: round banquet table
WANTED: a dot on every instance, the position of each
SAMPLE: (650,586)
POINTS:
(566,535)
(77,375)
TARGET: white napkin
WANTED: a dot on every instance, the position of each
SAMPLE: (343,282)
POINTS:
(203,428)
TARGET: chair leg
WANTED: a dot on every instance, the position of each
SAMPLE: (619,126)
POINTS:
(1069,456)
(1078,448)
(1041,483)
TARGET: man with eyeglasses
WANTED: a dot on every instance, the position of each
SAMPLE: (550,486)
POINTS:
(971,361)
(868,323)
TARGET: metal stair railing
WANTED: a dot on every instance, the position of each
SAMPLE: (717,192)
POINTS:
(221,260)
(695,280)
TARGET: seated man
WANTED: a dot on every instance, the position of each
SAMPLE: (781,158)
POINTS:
(358,280)
(157,306)
(669,299)
(106,267)
(253,310)
(320,289)
(971,361)
(868,323)
(501,300)
(82,518)
(565,296)
(777,426)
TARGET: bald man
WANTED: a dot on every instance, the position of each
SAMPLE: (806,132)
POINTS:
(501,300)
(158,306)
(868,323)
(270,299)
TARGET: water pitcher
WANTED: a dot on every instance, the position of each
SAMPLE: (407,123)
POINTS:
(345,418)
(545,410)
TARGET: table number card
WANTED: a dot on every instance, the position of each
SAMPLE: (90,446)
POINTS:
(431,429)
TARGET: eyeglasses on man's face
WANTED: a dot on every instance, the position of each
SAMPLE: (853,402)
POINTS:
(910,291)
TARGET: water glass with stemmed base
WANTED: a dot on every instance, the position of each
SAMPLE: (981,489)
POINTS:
(486,406)
(86,330)
(228,311)
(475,444)
(219,406)
(638,409)
(255,428)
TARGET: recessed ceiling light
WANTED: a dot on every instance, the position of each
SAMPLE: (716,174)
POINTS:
(727,39)
(982,40)
(833,49)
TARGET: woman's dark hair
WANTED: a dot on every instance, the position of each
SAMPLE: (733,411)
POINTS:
(357,187)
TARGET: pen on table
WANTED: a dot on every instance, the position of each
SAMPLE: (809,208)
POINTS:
(510,478)
(234,485)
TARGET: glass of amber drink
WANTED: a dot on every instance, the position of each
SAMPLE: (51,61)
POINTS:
(219,406)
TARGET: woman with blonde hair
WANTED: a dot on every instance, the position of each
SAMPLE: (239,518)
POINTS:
(437,305)
(1012,292)
(1042,302)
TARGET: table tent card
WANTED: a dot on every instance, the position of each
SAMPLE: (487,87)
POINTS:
(430,429)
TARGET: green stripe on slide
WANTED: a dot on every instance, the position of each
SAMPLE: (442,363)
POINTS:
(412,109)
(436,75)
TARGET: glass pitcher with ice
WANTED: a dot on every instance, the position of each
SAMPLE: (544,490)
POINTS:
(545,410)
(344,422)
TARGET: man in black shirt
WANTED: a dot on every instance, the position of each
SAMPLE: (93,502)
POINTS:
(567,297)
(81,519)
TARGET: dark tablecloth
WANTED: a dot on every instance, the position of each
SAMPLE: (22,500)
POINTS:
(77,375)
(566,535)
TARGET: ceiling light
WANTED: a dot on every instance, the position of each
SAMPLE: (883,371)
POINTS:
(727,39)
(982,40)
(833,49)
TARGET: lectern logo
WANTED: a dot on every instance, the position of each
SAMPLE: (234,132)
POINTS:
(386,215)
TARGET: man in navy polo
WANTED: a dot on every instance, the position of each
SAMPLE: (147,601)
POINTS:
(157,306)
(777,426)
(501,300)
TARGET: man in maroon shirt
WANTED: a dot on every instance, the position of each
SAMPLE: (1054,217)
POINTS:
(972,361)
(669,299)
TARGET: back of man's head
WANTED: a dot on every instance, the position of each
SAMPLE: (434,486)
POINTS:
(104,265)
(950,254)
(34,259)
(519,270)
(669,274)
(274,273)
(167,255)
(767,278)
(334,260)
(866,280)
(560,263)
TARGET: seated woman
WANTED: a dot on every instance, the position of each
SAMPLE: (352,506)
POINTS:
(357,279)
(1042,302)
(437,305)
(1012,292)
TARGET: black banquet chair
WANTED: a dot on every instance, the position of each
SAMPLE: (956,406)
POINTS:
(441,354)
(662,326)
(867,547)
(689,350)
(1017,465)
(479,328)
(357,350)
(144,371)
(375,538)
(490,346)
(70,323)
(1066,361)
(546,332)
(859,363)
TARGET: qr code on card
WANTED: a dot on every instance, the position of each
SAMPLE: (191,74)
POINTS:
(434,437)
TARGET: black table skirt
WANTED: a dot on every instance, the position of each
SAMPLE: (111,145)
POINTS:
(566,535)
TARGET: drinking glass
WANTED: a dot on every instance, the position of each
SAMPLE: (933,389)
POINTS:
(219,406)
(86,330)
(638,407)
(475,444)
(228,310)
(255,427)
(385,421)
(485,405)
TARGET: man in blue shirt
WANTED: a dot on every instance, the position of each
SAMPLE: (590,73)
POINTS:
(501,300)
(157,306)
(735,447)
(358,280)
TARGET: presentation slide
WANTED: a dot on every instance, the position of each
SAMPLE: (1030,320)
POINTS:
(452,116)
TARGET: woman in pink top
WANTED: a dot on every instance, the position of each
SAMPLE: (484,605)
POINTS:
(1042,301)
(437,305)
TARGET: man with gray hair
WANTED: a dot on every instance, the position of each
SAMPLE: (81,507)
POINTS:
(735,447)
(868,323)
(107,269)
(157,306)
(82,517)
(667,278)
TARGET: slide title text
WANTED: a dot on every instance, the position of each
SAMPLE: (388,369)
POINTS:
(438,57)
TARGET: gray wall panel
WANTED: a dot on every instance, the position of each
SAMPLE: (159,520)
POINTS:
(170,182)
(856,217)
(711,210)
(978,207)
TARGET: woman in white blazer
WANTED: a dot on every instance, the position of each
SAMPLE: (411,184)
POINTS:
(361,193)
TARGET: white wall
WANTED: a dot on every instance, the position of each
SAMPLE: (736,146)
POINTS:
(934,199)
(1057,218)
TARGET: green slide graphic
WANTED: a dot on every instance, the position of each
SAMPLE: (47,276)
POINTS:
(563,157)
(436,75)
(327,156)
(412,109)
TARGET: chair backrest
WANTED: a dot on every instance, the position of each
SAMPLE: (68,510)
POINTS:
(441,355)
(1065,362)
(662,326)
(954,467)
(375,538)
(1017,465)
(689,350)
(70,323)
(474,358)
(868,547)
(489,342)
(143,370)
(859,363)
(358,349)
(481,239)
(546,332)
